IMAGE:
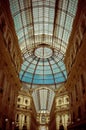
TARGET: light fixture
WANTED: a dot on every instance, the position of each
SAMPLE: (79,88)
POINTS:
(6,120)
(12,122)
(78,119)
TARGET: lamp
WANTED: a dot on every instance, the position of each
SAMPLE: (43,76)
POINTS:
(6,120)
(12,122)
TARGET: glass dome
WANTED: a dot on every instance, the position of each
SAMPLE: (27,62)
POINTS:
(44,65)
(43,52)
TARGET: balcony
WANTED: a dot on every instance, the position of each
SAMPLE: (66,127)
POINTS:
(63,107)
(23,108)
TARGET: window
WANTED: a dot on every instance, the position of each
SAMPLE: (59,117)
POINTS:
(17,117)
(18,106)
(59,101)
(25,119)
(19,99)
(67,99)
(26,101)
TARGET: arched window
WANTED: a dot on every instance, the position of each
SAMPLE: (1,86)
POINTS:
(25,119)
(59,101)
(19,99)
(17,117)
(67,99)
(26,101)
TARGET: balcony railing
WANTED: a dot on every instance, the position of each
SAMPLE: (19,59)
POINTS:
(23,107)
(62,107)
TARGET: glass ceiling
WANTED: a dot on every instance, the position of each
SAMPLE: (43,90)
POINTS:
(37,70)
(45,23)
(43,95)
(44,102)
(43,28)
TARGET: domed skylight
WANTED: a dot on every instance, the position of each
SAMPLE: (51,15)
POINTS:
(40,68)
(43,52)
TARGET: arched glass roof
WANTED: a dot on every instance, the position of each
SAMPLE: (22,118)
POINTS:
(45,100)
(43,28)
(45,23)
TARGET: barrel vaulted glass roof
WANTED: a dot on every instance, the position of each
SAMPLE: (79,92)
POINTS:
(43,28)
(44,94)
(47,23)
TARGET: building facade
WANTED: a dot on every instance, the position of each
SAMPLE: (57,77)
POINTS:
(75,61)
(10,63)
(25,118)
(60,113)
